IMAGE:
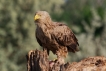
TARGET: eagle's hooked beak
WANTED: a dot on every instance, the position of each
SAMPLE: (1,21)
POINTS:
(36,17)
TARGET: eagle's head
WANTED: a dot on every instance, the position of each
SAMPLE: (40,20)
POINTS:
(42,17)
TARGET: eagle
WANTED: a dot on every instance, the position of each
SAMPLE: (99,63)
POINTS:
(54,36)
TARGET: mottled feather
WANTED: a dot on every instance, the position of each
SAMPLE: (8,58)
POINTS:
(65,37)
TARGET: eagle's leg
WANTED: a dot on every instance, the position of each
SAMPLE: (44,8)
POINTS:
(60,58)
(46,50)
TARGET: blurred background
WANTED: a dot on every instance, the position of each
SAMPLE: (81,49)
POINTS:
(87,19)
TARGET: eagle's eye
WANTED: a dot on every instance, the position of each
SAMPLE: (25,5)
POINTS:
(39,15)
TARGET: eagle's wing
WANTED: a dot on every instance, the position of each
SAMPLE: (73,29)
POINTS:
(65,37)
(38,40)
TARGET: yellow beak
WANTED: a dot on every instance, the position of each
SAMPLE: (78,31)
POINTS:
(36,17)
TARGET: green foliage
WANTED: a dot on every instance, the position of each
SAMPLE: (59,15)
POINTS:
(87,18)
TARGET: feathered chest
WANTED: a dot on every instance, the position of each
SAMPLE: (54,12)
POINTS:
(44,35)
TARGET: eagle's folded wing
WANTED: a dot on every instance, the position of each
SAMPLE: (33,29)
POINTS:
(38,40)
(65,37)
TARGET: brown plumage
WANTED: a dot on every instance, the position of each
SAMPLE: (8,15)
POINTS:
(54,36)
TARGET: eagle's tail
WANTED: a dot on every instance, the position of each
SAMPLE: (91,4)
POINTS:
(73,48)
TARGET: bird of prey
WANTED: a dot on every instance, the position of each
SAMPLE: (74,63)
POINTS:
(54,36)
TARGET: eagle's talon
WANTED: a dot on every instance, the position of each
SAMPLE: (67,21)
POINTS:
(61,60)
